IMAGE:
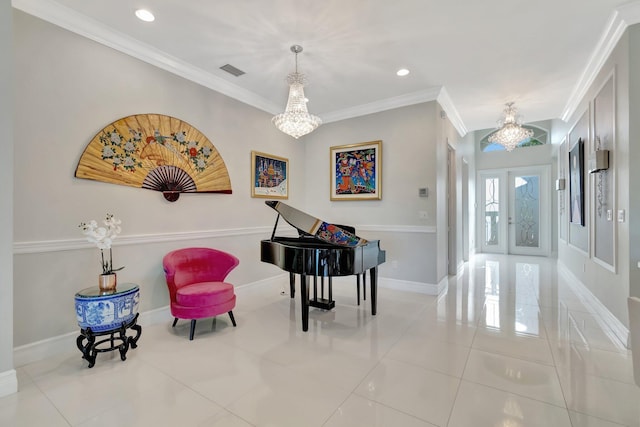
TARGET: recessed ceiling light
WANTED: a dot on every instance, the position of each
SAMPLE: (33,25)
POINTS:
(145,15)
(402,72)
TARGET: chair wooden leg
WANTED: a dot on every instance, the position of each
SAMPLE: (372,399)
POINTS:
(233,320)
(174,322)
(193,329)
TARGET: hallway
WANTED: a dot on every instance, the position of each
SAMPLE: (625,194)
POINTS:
(511,343)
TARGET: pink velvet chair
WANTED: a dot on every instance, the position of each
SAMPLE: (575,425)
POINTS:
(195,278)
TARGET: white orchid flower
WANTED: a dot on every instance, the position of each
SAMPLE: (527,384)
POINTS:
(103,237)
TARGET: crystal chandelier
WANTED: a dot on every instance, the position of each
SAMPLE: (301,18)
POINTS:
(511,133)
(296,120)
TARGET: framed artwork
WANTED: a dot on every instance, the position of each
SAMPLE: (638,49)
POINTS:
(576,183)
(269,176)
(155,152)
(356,171)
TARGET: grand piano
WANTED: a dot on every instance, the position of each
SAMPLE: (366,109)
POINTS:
(321,250)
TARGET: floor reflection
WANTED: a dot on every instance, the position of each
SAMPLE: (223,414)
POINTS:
(509,343)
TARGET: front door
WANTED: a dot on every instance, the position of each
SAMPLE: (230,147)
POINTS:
(515,211)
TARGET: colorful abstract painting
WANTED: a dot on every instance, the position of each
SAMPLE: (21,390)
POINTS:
(356,171)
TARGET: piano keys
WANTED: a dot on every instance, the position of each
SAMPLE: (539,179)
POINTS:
(321,250)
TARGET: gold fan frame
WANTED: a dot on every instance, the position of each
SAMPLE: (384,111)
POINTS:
(155,152)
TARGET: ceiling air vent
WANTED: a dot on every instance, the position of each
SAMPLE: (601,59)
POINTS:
(232,70)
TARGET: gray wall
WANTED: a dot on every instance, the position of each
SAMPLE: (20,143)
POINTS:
(408,163)
(610,285)
(632,158)
(7,375)
(68,88)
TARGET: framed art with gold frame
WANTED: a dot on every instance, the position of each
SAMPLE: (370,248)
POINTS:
(269,176)
(356,171)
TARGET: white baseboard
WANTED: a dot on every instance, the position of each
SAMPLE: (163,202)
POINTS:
(610,323)
(418,287)
(8,382)
(43,349)
(157,315)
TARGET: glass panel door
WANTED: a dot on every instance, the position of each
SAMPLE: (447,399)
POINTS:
(515,211)
(527,211)
(492,213)
(528,227)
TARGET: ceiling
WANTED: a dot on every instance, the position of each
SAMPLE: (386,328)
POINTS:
(540,54)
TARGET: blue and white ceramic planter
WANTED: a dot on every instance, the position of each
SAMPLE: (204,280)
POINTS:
(105,311)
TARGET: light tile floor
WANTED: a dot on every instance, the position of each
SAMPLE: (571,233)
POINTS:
(509,344)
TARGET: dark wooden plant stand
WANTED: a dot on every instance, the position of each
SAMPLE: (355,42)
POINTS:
(117,339)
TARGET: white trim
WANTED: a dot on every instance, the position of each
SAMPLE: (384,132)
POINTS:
(610,268)
(460,269)
(382,105)
(157,315)
(398,228)
(615,330)
(40,350)
(452,112)
(417,287)
(577,249)
(90,28)
(44,246)
(620,19)
(8,382)
(612,76)
(139,239)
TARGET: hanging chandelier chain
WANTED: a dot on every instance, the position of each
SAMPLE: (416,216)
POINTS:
(296,49)
(296,120)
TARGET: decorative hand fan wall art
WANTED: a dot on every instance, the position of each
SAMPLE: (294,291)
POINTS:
(155,152)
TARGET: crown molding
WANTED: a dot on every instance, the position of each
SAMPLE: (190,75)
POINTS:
(382,105)
(618,22)
(85,26)
(92,29)
(452,112)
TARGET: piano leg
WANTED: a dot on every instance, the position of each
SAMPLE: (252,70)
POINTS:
(292,285)
(315,288)
(373,279)
(304,302)
(364,285)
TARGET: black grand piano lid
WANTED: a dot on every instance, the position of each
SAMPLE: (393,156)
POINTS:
(312,226)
